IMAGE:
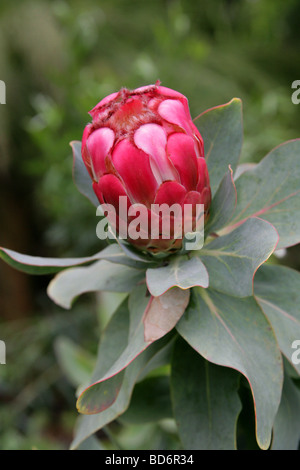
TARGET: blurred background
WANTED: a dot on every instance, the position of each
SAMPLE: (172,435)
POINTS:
(59,58)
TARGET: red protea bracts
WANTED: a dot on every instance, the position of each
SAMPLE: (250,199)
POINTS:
(143,145)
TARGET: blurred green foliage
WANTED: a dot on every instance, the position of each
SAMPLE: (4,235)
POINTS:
(58,59)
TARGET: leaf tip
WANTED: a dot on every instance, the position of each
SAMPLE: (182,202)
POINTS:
(74,142)
(236,100)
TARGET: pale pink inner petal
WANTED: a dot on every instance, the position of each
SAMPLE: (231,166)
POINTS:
(151,138)
(199,144)
(173,111)
(99,144)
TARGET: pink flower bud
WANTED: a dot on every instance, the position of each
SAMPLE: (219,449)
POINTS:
(143,145)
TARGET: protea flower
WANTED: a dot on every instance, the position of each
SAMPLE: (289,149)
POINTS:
(143,145)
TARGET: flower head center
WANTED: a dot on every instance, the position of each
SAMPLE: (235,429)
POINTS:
(129,113)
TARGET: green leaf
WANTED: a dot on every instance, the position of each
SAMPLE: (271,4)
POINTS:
(286,432)
(234,332)
(181,272)
(89,424)
(271,190)
(150,401)
(246,436)
(277,290)
(81,176)
(102,275)
(223,204)
(222,131)
(205,401)
(232,260)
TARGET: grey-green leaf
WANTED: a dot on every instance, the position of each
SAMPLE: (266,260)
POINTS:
(242,168)
(205,401)
(81,176)
(113,342)
(231,260)
(102,275)
(271,190)
(105,385)
(234,332)
(116,254)
(181,272)
(223,204)
(89,424)
(124,341)
(150,401)
(92,443)
(38,265)
(163,312)
(277,289)
(222,131)
(286,432)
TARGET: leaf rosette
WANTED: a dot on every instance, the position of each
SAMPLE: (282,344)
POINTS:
(222,317)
